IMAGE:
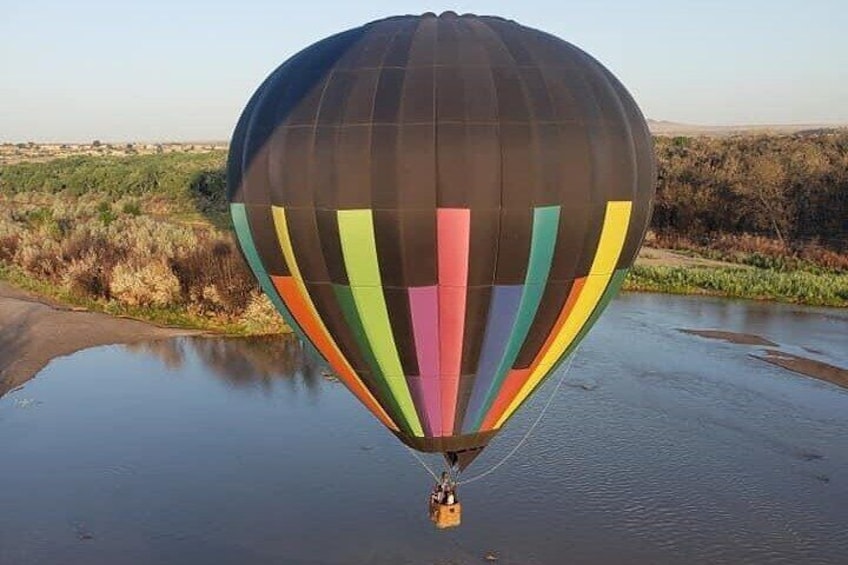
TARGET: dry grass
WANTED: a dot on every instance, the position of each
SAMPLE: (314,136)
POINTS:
(758,251)
(113,255)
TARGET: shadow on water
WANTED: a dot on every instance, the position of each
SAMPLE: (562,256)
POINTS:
(242,362)
(255,362)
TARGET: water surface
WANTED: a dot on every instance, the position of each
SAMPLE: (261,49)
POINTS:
(660,447)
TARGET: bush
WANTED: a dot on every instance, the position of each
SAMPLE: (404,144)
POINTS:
(87,277)
(186,179)
(153,284)
(758,251)
(260,316)
(83,247)
(105,213)
(9,244)
(796,286)
(132,208)
(214,276)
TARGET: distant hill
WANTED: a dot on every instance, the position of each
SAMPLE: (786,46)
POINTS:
(666,128)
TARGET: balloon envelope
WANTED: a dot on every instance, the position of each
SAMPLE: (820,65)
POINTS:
(441,206)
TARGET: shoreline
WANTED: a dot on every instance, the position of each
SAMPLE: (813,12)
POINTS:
(34,330)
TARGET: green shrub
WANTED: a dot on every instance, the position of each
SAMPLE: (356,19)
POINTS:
(105,213)
(820,289)
(131,208)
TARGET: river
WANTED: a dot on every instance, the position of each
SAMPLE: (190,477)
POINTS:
(659,447)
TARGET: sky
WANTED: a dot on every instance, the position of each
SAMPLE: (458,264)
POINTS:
(183,70)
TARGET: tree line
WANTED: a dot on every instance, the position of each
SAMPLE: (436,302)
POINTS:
(790,188)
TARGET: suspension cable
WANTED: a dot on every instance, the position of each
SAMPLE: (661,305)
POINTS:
(423,464)
(532,427)
(519,444)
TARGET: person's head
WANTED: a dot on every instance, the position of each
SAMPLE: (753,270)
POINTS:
(444,475)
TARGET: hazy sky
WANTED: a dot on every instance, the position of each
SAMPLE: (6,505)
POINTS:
(182,70)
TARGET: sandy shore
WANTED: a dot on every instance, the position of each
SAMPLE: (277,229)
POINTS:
(657,257)
(34,330)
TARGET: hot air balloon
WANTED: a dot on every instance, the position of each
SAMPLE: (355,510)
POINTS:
(441,207)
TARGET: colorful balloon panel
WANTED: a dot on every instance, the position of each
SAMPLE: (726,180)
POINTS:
(441,207)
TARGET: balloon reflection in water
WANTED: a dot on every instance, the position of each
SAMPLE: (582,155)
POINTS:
(255,362)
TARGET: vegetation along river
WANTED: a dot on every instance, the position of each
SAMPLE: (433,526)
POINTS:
(661,446)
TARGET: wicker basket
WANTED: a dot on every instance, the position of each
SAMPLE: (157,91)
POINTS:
(446,515)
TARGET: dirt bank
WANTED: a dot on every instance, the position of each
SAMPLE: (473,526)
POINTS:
(656,257)
(34,330)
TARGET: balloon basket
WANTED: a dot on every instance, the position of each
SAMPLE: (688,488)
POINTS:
(446,515)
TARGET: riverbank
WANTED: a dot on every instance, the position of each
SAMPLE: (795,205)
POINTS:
(34,330)
(149,237)
(656,270)
(738,281)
